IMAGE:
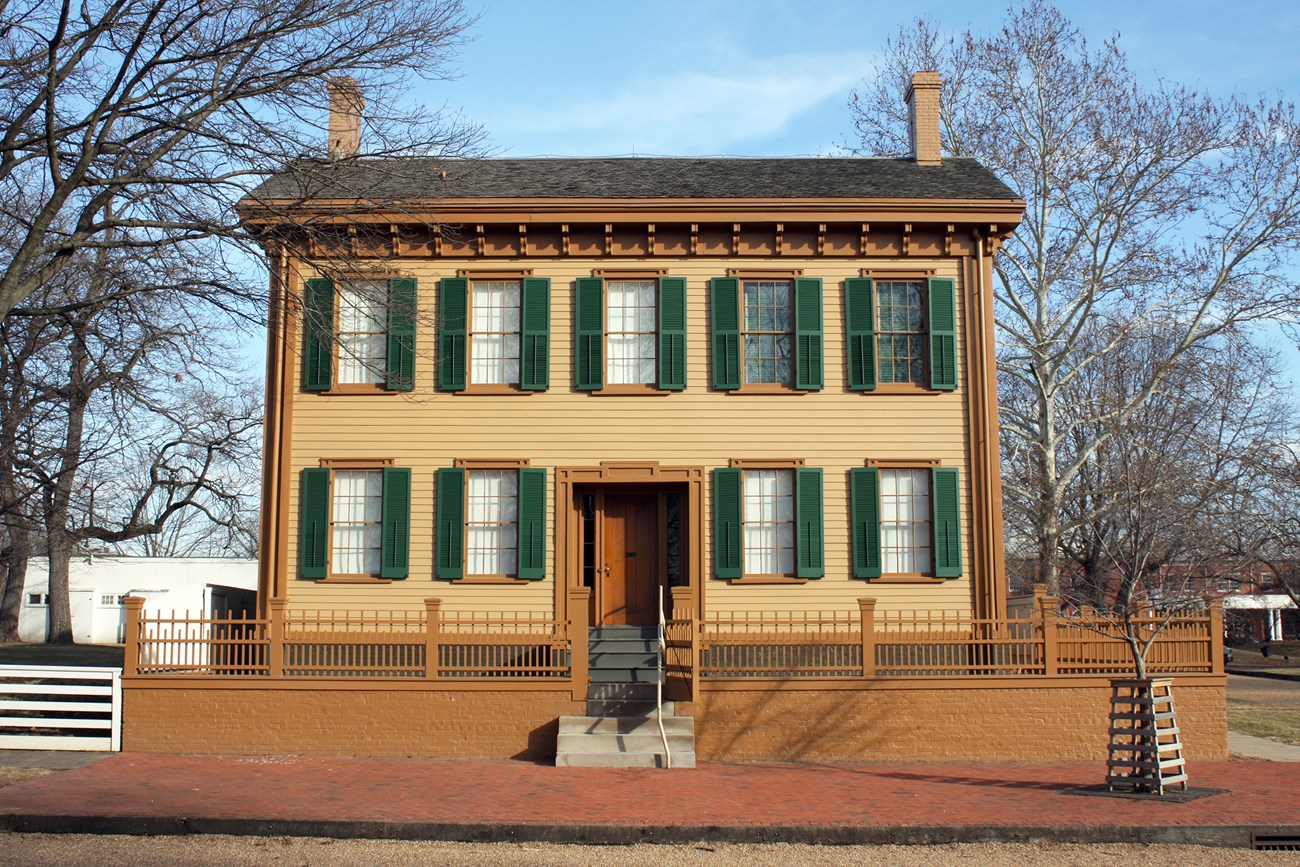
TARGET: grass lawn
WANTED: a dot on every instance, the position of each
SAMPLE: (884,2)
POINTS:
(1275,723)
(98,655)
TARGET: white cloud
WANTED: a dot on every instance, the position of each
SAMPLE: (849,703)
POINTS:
(688,113)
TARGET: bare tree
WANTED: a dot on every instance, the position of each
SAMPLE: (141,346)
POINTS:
(1158,512)
(133,418)
(139,123)
(1145,205)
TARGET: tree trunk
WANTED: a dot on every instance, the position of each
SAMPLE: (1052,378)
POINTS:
(16,576)
(60,550)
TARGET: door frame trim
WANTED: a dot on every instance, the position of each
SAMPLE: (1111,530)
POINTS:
(568,519)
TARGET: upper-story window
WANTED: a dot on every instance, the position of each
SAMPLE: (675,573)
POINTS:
(631,315)
(629,333)
(494,333)
(901,333)
(359,334)
(766,333)
(363,332)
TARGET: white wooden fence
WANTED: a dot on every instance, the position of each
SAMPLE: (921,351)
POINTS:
(60,708)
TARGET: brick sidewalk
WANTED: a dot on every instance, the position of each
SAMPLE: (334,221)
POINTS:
(503,799)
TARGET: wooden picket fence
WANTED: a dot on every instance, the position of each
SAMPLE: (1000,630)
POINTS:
(1034,640)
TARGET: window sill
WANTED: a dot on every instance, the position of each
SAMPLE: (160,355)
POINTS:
(356,389)
(491,579)
(769,579)
(767,388)
(630,391)
(353,579)
(493,390)
(898,388)
(906,578)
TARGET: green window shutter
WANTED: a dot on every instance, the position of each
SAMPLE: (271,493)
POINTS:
(314,522)
(589,334)
(864,517)
(532,524)
(725,326)
(402,299)
(451,523)
(808,369)
(946,505)
(395,541)
(727,562)
(809,538)
(453,312)
(672,333)
(943,334)
(535,335)
(318,336)
(860,331)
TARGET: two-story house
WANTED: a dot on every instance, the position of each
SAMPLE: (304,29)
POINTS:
(756,397)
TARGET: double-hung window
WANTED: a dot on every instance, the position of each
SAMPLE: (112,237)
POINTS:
(354,521)
(767,333)
(630,333)
(767,521)
(491,521)
(901,333)
(359,334)
(905,521)
(494,333)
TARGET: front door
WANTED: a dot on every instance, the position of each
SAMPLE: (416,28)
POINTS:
(631,568)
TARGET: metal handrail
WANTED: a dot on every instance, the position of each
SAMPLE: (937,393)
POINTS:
(659,681)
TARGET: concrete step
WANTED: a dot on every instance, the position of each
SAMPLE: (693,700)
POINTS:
(623,760)
(616,743)
(621,692)
(627,725)
(629,708)
(624,675)
(624,659)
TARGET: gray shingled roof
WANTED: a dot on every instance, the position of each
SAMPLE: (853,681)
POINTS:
(635,178)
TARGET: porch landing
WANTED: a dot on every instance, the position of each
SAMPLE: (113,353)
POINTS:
(505,800)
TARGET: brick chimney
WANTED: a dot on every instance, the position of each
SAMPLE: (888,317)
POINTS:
(923,117)
(346,105)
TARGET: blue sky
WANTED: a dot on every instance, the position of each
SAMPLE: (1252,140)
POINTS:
(771,77)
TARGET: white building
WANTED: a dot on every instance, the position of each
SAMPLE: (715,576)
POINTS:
(98,585)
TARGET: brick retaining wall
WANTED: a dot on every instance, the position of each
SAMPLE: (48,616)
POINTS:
(1058,723)
(894,721)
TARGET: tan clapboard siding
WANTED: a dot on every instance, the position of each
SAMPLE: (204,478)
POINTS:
(834,429)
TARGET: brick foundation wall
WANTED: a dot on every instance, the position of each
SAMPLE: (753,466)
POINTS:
(342,722)
(1022,724)
(1066,721)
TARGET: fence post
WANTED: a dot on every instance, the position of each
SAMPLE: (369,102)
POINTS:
(579,642)
(275,647)
(432,636)
(1046,606)
(684,610)
(867,610)
(1216,636)
(131,658)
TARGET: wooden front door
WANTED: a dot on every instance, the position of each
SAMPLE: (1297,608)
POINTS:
(631,573)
